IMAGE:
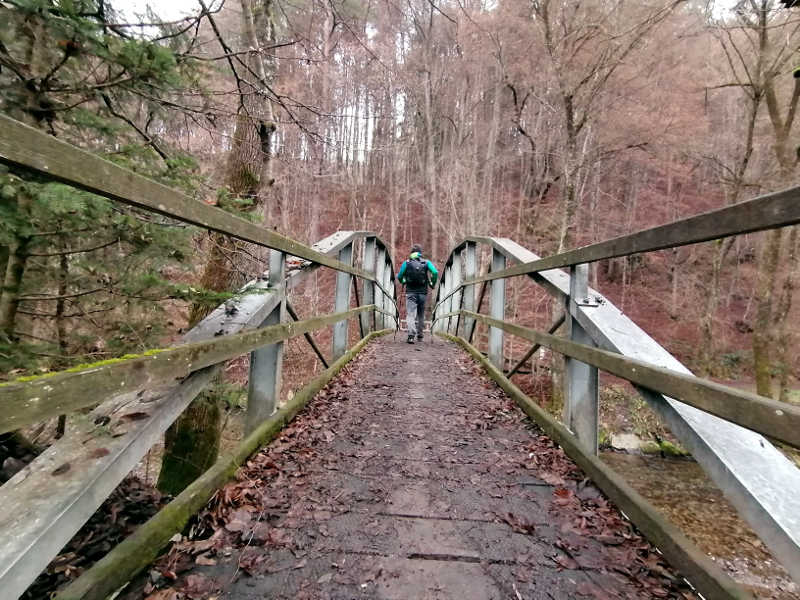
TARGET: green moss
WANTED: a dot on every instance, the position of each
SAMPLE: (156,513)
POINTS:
(671,449)
(84,366)
(604,437)
(650,448)
(664,447)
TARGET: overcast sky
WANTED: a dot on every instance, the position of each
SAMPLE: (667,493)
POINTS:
(168,11)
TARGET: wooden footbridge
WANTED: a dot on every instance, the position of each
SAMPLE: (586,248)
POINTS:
(414,491)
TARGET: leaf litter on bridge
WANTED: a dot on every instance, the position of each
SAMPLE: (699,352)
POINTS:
(410,476)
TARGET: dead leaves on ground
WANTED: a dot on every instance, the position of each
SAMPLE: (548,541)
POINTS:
(588,520)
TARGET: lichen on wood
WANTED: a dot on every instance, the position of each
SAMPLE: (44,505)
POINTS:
(143,546)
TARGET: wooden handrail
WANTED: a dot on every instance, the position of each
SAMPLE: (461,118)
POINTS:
(26,402)
(24,147)
(778,420)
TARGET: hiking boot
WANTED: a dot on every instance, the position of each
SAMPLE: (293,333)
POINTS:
(410,339)
(419,338)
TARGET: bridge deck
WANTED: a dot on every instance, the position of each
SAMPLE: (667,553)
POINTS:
(411,476)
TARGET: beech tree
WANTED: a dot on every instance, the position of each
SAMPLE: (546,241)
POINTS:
(760,41)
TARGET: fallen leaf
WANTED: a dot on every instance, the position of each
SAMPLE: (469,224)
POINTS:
(165,594)
(565,562)
(99,452)
(197,587)
(204,560)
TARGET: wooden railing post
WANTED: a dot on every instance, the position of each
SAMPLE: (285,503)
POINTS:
(266,364)
(580,379)
(497,309)
(380,276)
(342,303)
(470,272)
(368,264)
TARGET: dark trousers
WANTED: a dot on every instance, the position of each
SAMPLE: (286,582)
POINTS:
(415,313)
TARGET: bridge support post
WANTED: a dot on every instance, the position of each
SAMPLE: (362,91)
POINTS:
(497,309)
(388,284)
(448,287)
(470,272)
(342,303)
(368,264)
(455,299)
(380,299)
(580,379)
(266,364)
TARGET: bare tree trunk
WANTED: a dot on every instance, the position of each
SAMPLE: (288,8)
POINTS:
(191,444)
(12,279)
(782,318)
(762,338)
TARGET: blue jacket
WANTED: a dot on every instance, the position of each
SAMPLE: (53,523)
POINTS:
(434,274)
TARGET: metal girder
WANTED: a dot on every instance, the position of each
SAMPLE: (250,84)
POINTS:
(755,476)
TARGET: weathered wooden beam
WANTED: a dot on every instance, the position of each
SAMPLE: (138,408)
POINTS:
(138,550)
(778,209)
(23,403)
(24,147)
(777,420)
(711,581)
(49,500)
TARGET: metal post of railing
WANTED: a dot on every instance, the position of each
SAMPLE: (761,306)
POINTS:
(380,276)
(342,303)
(497,309)
(455,271)
(388,285)
(368,265)
(393,289)
(471,271)
(448,303)
(266,364)
(580,379)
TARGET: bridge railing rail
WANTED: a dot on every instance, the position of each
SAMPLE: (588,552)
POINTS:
(136,399)
(720,425)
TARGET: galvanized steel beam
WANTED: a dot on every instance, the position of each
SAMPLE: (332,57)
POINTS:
(266,363)
(497,308)
(341,304)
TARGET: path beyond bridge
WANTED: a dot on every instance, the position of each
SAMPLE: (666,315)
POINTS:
(414,476)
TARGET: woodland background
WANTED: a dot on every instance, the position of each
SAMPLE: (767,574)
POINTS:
(553,123)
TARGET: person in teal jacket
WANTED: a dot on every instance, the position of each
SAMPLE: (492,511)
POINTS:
(416,274)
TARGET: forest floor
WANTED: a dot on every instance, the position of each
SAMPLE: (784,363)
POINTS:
(410,476)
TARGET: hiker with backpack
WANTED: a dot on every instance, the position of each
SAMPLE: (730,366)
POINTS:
(416,274)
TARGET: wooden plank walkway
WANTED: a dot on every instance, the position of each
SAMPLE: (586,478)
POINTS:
(411,476)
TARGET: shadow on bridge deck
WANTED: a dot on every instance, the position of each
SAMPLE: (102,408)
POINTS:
(413,476)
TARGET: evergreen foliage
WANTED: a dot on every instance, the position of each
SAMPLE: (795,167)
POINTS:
(84,278)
